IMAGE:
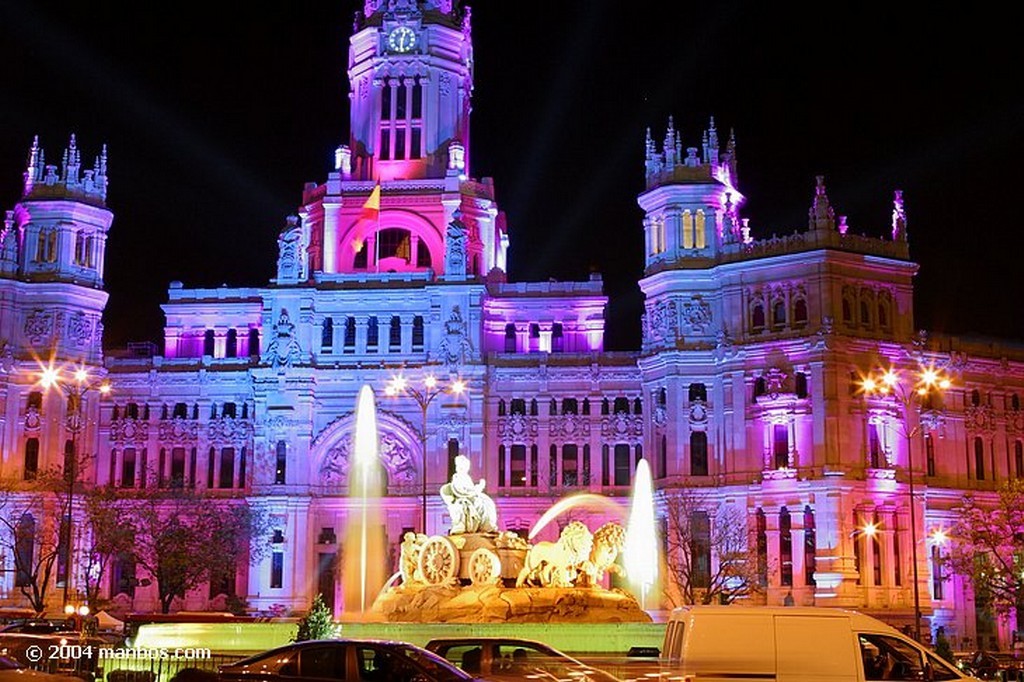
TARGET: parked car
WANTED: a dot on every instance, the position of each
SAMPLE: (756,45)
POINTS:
(345,659)
(13,671)
(510,658)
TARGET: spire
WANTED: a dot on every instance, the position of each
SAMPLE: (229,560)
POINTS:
(821,215)
(711,155)
(899,218)
(42,181)
(34,169)
(730,151)
(670,145)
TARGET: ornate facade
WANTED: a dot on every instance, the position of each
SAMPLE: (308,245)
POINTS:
(746,385)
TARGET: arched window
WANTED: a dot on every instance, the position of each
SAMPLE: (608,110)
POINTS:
(975,398)
(800,311)
(883,315)
(517,406)
(810,547)
(700,529)
(231,344)
(874,447)
(394,242)
(230,410)
(780,445)
(779,313)
(254,343)
(586,406)
(800,381)
(698,392)
(350,334)
(938,564)
(979,458)
(929,454)
(1015,402)
(761,533)
(638,406)
(180,411)
(760,387)
(847,311)
(395,334)
(31,459)
(865,313)
(621,406)
(510,337)
(557,340)
(372,334)
(501,407)
(281,462)
(698,453)
(417,333)
(570,406)
(24,550)
(209,344)
(128,468)
(757,317)
(327,335)
(785,548)
(534,408)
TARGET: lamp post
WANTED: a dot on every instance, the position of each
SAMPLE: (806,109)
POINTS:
(399,386)
(75,387)
(909,391)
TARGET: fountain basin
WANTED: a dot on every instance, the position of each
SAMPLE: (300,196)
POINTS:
(453,603)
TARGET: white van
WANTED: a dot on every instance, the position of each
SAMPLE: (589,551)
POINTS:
(788,644)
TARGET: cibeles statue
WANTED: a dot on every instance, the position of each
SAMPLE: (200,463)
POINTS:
(471,509)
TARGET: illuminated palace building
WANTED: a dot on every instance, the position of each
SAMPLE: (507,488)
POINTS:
(747,387)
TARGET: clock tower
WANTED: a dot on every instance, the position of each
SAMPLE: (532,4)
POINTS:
(411,75)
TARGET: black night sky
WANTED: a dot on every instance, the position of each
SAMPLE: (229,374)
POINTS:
(215,114)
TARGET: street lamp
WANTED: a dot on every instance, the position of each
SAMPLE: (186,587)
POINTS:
(910,390)
(432,387)
(75,387)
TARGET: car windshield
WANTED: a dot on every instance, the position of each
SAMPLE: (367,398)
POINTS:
(437,666)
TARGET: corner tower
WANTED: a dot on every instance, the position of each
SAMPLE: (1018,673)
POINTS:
(52,249)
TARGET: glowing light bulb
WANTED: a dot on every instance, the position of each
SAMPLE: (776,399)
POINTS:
(890,378)
(430,382)
(869,385)
(870,529)
(81,376)
(458,386)
(48,377)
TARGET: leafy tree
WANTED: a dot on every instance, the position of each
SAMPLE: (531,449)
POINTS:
(987,547)
(184,538)
(943,648)
(709,557)
(317,624)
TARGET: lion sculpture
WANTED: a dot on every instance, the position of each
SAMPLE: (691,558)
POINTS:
(609,540)
(556,564)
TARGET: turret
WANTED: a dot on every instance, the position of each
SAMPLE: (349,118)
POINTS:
(61,222)
(691,203)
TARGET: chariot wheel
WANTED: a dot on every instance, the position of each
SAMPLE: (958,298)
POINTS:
(439,560)
(484,567)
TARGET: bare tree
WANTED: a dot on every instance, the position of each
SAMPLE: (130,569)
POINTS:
(108,537)
(987,547)
(35,530)
(710,557)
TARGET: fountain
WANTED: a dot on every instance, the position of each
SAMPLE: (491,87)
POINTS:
(364,543)
(476,574)
(641,551)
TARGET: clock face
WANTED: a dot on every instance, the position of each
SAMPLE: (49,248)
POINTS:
(402,39)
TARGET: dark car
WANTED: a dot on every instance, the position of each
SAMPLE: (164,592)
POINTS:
(353,660)
(510,658)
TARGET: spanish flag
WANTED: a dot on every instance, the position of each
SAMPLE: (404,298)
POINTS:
(371,209)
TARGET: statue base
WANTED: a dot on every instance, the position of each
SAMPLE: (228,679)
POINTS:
(497,604)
